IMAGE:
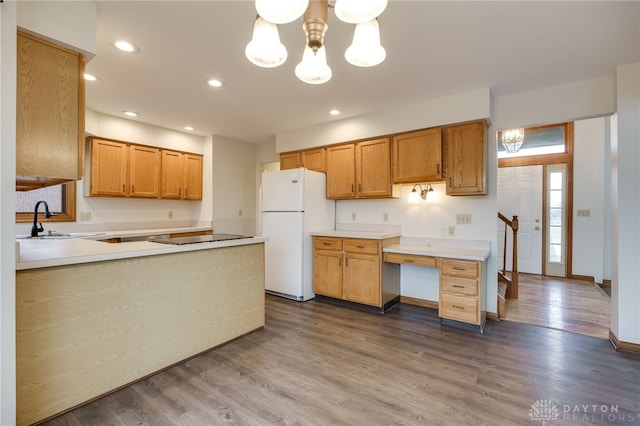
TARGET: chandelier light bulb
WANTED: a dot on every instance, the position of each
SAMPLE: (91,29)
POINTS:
(313,68)
(265,49)
(365,50)
(358,11)
(281,11)
(512,139)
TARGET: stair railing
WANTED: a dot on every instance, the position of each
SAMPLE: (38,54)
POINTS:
(512,281)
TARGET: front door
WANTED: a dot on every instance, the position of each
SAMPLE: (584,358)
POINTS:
(520,193)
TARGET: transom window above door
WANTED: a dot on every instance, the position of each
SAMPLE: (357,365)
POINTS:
(537,141)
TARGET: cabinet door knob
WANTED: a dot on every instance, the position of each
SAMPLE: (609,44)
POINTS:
(438,168)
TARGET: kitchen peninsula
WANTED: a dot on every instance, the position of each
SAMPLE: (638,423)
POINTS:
(94,316)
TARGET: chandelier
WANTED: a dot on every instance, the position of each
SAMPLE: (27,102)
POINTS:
(512,139)
(266,50)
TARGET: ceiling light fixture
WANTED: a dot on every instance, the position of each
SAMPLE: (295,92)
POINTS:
(130,113)
(512,139)
(214,82)
(189,128)
(334,112)
(125,46)
(266,50)
(90,77)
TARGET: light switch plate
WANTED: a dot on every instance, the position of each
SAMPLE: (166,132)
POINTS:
(463,219)
(584,212)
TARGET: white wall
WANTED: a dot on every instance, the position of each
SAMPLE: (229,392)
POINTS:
(589,193)
(7,212)
(234,186)
(44,18)
(625,168)
(468,106)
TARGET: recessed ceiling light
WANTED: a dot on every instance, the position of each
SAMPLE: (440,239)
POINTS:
(130,113)
(214,82)
(90,77)
(334,112)
(189,128)
(125,46)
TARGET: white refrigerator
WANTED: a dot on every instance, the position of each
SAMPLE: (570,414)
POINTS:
(292,204)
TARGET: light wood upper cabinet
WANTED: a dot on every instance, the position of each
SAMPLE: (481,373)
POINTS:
(193,177)
(373,169)
(290,160)
(144,171)
(417,156)
(465,159)
(172,174)
(109,174)
(123,169)
(49,113)
(120,169)
(181,175)
(341,171)
(359,170)
(312,159)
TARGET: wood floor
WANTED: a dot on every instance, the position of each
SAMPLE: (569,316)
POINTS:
(570,305)
(320,364)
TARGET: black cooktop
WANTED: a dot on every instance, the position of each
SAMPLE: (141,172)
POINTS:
(199,239)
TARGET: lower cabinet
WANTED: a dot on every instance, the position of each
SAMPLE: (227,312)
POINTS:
(351,269)
(460,295)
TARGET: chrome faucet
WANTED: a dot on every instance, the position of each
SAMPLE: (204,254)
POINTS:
(35,228)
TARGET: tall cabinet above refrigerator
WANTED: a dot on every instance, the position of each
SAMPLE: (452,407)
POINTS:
(292,203)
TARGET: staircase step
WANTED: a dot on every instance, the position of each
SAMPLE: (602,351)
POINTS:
(502,302)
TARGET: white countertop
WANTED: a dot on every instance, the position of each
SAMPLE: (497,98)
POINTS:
(371,235)
(43,253)
(447,252)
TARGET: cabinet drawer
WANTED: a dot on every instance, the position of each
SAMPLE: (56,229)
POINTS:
(327,243)
(410,259)
(353,245)
(460,268)
(466,286)
(459,308)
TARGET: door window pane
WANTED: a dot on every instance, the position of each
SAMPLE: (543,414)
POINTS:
(555,199)
(555,253)
(555,217)
(555,180)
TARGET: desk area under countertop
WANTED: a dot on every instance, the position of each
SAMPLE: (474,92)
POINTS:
(462,279)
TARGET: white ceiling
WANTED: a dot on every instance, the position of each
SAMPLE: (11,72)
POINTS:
(433,49)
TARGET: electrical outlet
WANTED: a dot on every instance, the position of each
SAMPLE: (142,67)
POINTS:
(353,216)
(463,219)
(451,231)
(240,212)
(443,230)
(385,217)
(84,216)
(170,214)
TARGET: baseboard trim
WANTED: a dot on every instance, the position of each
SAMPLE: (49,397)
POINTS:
(419,302)
(588,278)
(623,346)
(493,316)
